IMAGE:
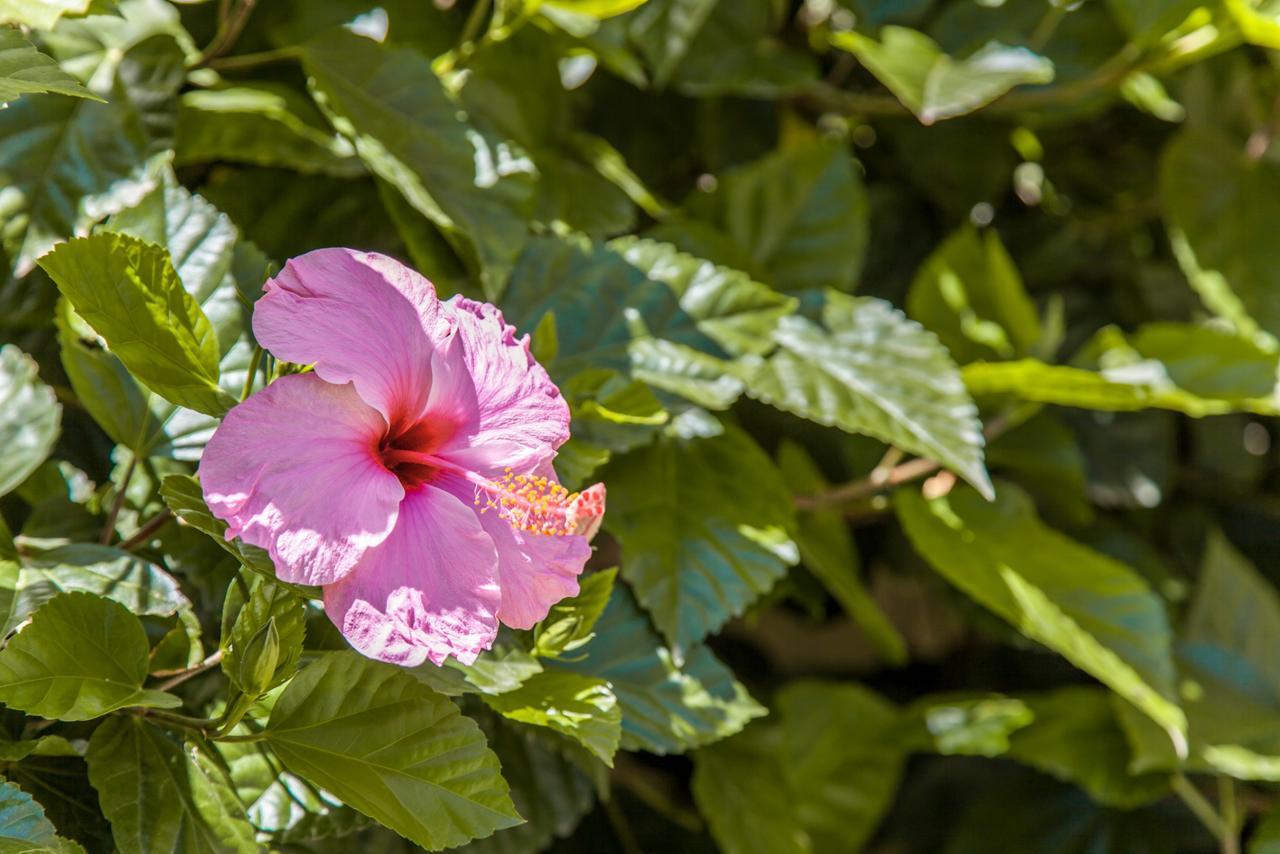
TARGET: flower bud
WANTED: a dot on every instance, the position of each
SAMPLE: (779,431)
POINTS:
(258,660)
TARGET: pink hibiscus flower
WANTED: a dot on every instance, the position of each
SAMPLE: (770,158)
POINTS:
(409,474)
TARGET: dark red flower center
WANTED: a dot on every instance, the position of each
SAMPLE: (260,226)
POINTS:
(402,451)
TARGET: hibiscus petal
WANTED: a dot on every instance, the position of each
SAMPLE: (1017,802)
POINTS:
(428,592)
(359,317)
(518,407)
(292,470)
(535,570)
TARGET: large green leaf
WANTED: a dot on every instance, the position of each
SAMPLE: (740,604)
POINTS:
(704,526)
(800,215)
(514,85)
(104,386)
(668,706)
(25,70)
(80,657)
(163,795)
(553,786)
(24,829)
(1095,611)
(393,749)
(222,272)
(817,777)
(135,582)
(581,707)
(604,296)
(1233,704)
(969,293)
(1222,203)
(29,418)
(1074,735)
(260,123)
(936,86)
(827,549)
(873,371)
(129,292)
(410,133)
(70,162)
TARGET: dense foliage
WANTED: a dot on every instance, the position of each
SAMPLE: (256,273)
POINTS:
(928,349)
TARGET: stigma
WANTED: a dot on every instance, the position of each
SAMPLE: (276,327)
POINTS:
(538,505)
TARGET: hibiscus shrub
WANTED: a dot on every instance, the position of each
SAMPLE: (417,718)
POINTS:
(639,425)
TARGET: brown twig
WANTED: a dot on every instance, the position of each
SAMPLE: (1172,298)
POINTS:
(148,530)
(109,527)
(880,480)
(182,676)
(229,28)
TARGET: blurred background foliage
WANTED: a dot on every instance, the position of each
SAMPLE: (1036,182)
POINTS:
(789,262)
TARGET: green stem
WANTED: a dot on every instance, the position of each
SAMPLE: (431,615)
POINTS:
(1047,26)
(247,61)
(253,369)
(1230,815)
(200,725)
(1202,809)
(475,20)
(234,739)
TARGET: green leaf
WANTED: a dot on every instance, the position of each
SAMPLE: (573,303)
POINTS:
(1259,21)
(73,161)
(25,70)
(136,583)
(182,495)
(553,785)
(40,14)
(799,214)
(704,528)
(1222,203)
(1074,735)
(571,622)
(590,8)
(936,86)
(267,601)
(663,31)
(1096,612)
(1148,20)
(1224,655)
(409,133)
(24,829)
(1196,370)
(818,776)
(514,86)
(161,794)
(969,293)
(393,749)
(872,371)
(581,707)
(603,297)
(667,707)
(222,272)
(129,292)
(81,657)
(104,386)
(264,124)
(29,418)
(827,549)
